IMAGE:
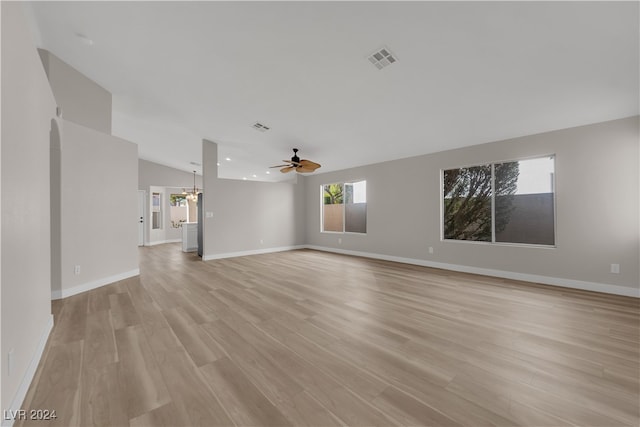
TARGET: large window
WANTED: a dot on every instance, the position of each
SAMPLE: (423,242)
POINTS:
(509,202)
(344,207)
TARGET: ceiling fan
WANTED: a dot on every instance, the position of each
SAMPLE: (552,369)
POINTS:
(300,166)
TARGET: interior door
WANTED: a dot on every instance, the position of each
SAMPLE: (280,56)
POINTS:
(141,204)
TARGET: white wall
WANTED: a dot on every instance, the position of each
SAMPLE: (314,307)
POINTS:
(27,109)
(596,196)
(55,164)
(99,208)
(249,216)
(150,173)
(93,187)
(82,100)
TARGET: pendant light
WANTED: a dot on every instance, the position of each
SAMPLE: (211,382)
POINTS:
(192,195)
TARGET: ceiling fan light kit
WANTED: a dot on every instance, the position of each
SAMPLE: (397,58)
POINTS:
(300,166)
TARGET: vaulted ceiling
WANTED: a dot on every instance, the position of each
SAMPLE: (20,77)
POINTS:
(466,73)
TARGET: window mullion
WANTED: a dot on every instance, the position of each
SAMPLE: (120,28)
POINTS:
(344,206)
(493,203)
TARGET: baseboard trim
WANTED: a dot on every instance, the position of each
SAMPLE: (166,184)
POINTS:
(534,278)
(162,242)
(64,293)
(21,393)
(252,252)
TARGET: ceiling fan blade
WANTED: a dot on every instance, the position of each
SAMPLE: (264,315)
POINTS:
(287,169)
(309,164)
(304,169)
(279,166)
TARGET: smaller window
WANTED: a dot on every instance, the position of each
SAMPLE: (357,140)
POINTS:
(344,207)
(156,211)
(333,208)
(179,209)
(178,200)
(355,208)
(524,203)
(467,203)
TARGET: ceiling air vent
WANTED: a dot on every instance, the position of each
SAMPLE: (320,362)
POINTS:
(382,58)
(259,126)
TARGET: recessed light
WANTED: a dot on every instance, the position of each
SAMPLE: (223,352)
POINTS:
(244,177)
(254,175)
(228,159)
(84,39)
(218,164)
(268,172)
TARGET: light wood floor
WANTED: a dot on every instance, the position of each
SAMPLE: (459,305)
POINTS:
(311,338)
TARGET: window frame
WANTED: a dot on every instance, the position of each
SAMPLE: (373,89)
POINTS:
(157,209)
(343,183)
(493,241)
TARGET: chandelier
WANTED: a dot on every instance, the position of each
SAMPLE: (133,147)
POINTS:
(192,195)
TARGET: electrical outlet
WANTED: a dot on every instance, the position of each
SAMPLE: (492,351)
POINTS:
(339,240)
(615,268)
(76,270)
(209,214)
(430,249)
